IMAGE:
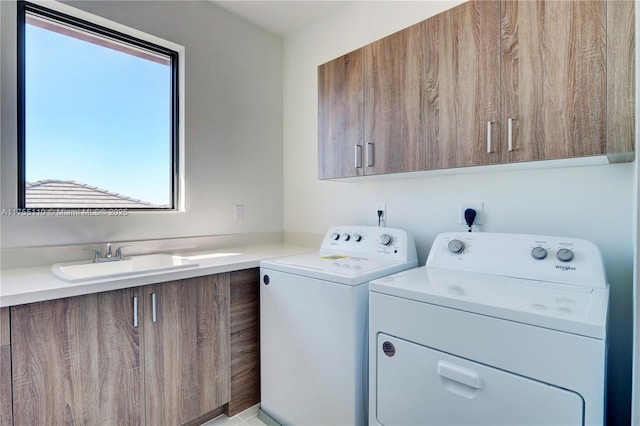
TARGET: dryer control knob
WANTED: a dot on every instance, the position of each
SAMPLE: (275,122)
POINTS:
(564,255)
(456,246)
(385,239)
(335,236)
(538,253)
(357,238)
(346,237)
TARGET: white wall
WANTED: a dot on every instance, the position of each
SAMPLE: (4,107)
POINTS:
(595,203)
(233,128)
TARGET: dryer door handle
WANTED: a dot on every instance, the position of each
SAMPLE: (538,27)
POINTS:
(459,374)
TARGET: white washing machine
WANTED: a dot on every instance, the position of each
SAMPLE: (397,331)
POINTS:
(496,329)
(313,325)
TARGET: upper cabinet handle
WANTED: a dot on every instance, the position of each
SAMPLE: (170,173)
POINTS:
(510,134)
(358,156)
(489,123)
(369,154)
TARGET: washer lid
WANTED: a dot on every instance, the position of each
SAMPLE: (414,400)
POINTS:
(342,269)
(574,309)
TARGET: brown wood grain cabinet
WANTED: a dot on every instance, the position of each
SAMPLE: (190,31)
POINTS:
(6,409)
(553,72)
(245,340)
(494,82)
(340,119)
(621,80)
(187,350)
(77,361)
(462,94)
(157,354)
(370,109)
(394,78)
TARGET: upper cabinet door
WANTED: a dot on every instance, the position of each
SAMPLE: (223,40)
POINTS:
(394,77)
(340,118)
(553,79)
(462,113)
(621,61)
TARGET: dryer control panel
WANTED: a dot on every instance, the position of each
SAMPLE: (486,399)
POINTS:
(372,242)
(542,258)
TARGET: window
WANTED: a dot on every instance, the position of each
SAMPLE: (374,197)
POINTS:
(97,115)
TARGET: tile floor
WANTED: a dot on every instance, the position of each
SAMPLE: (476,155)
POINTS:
(248,417)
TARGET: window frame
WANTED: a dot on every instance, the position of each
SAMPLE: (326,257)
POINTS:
(118,33)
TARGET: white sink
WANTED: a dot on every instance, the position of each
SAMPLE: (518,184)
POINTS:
(134,265)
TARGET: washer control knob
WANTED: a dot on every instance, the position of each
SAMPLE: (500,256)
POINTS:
(456,246)
(538,253)
(346,237)
(385,239)
(564,255)
(335,236)
(357,238)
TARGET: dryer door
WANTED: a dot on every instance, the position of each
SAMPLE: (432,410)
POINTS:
(417,385)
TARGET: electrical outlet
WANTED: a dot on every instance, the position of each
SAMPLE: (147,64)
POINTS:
(238,212)
(478,207)
(383,207)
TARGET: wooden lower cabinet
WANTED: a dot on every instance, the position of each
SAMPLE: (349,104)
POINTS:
(77,361)
(6,410)
(187,350)
(245,340)
(85,360)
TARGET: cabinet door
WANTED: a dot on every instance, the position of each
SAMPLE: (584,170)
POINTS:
(340,117)
(6,411)
(463,86)
(394,79)
(554,79)
(245,340)
(77,361)
(620,80)
(187,352)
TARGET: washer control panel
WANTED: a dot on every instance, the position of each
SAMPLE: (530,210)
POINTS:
(373,242)
(541,258)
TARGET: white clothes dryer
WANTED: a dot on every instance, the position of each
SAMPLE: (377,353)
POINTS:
(496,329)
(313,325)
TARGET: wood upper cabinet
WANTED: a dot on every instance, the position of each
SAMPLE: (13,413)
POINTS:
(77,361)
(370,108)
(554,79)
(187,369)
(462,96)
(620,80)
(394,78)
(486,82)
(340,119)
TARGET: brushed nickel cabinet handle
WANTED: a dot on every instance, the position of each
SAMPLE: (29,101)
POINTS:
(135,311)
(358,156)
(489,123)
(153,307)
(510,134)
(369,154)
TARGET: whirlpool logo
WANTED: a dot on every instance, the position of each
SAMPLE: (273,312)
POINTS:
(566,268)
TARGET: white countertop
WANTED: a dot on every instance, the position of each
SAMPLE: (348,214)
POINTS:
(35,284)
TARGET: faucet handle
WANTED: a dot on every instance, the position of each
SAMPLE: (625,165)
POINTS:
(119,250)
(96,253)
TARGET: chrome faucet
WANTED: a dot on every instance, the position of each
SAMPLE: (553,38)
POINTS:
(108,256)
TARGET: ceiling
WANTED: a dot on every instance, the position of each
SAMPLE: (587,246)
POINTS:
(280,17)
